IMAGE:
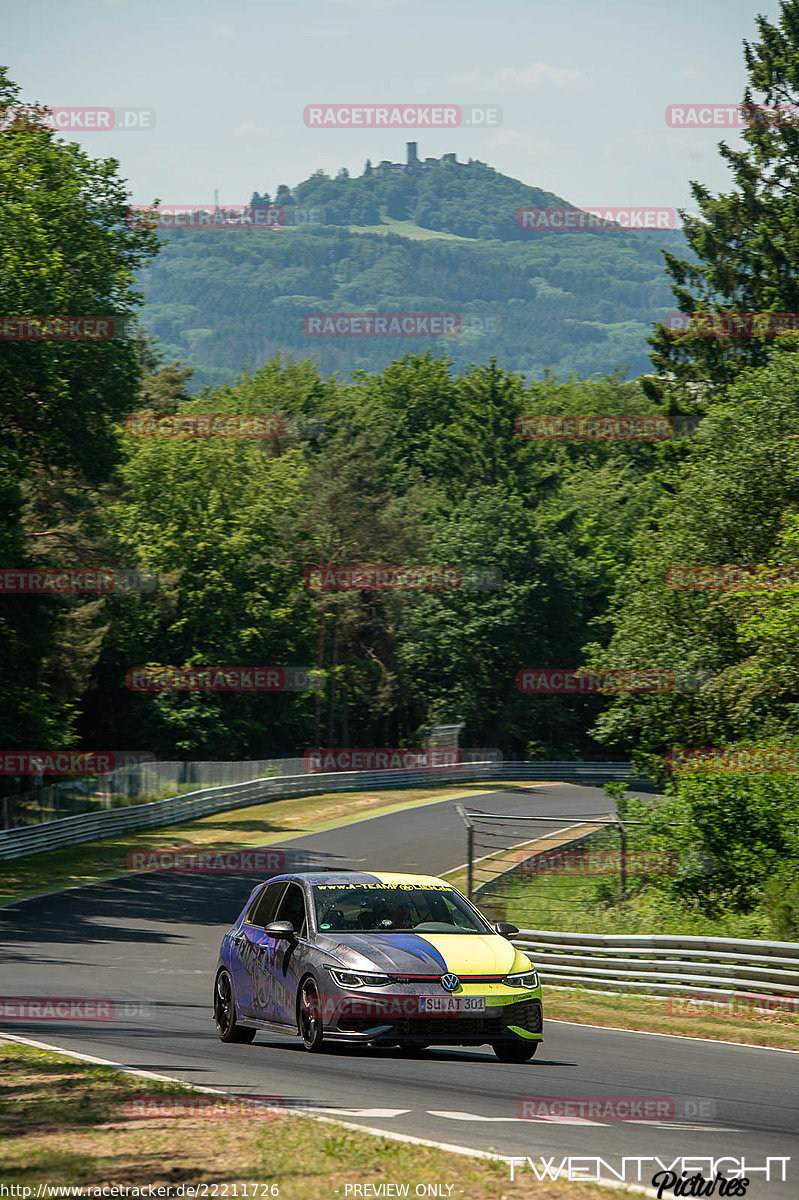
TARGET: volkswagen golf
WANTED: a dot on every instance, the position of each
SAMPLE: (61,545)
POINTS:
(381,958)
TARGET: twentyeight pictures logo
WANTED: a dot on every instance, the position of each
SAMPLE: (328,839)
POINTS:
(400,116)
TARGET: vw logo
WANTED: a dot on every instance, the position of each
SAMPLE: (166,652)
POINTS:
(450,982)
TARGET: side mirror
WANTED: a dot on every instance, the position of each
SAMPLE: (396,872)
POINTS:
(280,929)
(505,929)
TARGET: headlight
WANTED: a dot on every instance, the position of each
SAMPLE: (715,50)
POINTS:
(528,979)
(358,979)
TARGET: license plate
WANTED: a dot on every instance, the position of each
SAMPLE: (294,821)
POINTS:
(452,1004)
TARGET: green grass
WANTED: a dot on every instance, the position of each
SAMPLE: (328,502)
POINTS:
(585,903)
(68,1123)
(714,1022)
(408,229)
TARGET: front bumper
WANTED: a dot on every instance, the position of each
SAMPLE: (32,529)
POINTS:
(387,1017)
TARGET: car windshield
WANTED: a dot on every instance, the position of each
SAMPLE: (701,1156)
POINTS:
(392,908)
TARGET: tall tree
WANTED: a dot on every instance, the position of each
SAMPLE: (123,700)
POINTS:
(66,250)
(746,240)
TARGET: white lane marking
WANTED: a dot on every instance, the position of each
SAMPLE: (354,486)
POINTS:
(360,1112)
(686,1126)
(553,1119)
(683,1037)
(462,1116)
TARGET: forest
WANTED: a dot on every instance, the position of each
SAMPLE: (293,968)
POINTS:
(411,461)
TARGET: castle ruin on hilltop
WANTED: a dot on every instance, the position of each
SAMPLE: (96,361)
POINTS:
(413,162)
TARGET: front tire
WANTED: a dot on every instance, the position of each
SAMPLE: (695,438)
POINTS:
(515,1052)
(227,1027)
(309,1016)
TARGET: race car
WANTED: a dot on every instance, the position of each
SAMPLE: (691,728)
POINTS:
(380,958)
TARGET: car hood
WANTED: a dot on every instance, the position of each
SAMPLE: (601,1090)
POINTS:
(424,954)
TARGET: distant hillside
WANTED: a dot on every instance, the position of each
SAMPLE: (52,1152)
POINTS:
(468,199)
(583,301)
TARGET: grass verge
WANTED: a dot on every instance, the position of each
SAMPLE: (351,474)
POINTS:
(778,1029)
(69,1123)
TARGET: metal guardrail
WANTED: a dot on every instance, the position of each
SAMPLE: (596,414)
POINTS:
(49,835)
(699,967)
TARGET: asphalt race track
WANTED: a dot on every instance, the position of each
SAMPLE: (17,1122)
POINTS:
(149,943)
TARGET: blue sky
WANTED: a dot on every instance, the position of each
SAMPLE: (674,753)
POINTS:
(583,86)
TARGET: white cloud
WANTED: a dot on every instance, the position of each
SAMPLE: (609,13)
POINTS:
(222,31)
(511,79)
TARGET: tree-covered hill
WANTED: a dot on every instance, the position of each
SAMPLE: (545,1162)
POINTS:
(468,199)
(583,301)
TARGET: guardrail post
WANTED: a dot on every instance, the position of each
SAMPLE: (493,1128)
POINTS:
(461,811)
(623,837)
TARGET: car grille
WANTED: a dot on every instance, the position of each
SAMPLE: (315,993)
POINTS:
(482,1027)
